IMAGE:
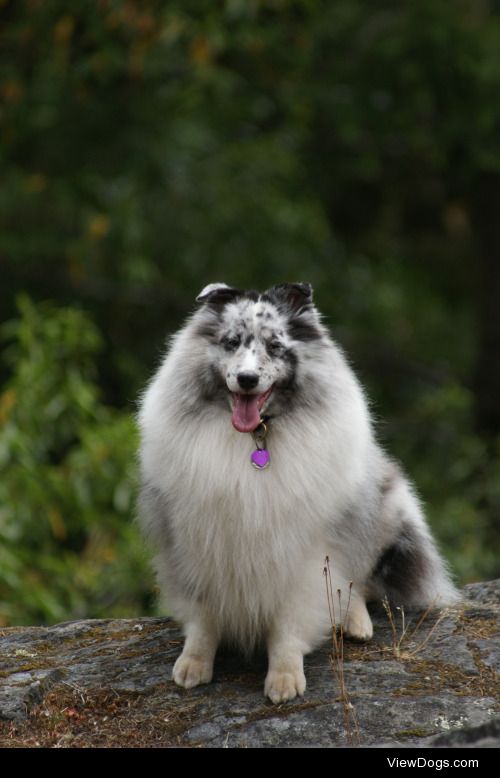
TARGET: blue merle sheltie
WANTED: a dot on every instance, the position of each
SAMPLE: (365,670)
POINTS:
(258,461)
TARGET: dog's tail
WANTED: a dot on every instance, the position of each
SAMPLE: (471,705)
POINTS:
(410,570)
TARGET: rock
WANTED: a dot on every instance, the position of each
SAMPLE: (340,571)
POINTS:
(107,683)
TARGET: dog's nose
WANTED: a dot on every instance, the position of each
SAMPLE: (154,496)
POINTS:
(248,380)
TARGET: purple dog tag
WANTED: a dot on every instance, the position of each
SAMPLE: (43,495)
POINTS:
(260,458)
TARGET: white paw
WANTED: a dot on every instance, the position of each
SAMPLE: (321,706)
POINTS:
(190,671)
(284,685)
(359,624)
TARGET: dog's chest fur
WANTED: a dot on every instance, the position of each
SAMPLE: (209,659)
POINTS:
(228,514)
(242,536)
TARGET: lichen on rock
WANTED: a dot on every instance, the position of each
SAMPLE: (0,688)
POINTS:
(107,683)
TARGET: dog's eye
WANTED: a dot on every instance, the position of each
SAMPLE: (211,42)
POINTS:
(274,346)
(231,343)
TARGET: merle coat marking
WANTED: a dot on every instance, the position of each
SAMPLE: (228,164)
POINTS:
(240,553)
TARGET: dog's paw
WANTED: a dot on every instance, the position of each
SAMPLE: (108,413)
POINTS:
(359,624)
(281,685)
(190,671)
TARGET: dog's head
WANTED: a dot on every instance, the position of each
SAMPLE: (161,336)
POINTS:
(255,343)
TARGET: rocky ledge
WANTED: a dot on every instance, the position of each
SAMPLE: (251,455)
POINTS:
(423,681)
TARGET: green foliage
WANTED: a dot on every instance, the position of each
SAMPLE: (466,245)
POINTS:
(149,148)
(457,473)
(68,544)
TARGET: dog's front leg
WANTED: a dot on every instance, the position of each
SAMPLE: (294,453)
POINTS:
(285,677)
(196,663)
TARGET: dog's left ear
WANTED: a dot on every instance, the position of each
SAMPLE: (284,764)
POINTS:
(218,294)
(296,297)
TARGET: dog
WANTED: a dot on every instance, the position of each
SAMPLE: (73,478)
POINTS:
(258,461)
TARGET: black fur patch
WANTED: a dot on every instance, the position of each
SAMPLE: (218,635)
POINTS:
(291,357)
(292,297)
(212,386)
(295,306)
(220,297)
(293,396)
(231,343)
(275,348)
(209,389)
(300,328)
(402,566)
(288,387)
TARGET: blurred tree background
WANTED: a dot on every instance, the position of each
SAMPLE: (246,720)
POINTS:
(148,148)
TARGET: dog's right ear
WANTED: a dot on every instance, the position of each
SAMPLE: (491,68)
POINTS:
(218,294)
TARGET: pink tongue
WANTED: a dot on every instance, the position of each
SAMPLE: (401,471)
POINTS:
(246,416)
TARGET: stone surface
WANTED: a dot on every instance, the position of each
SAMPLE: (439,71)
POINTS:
(107,682)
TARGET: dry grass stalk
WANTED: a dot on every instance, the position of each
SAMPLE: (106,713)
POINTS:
(411,650)
(337,654)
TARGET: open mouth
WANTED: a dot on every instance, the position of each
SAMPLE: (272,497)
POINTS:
(247,408)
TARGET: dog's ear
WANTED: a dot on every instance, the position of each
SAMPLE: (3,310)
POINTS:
(296,297)
(218,294)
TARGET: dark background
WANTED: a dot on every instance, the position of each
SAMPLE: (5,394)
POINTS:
(149,148)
